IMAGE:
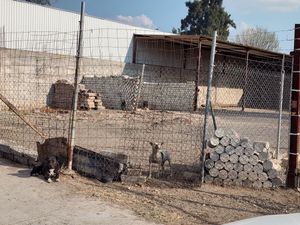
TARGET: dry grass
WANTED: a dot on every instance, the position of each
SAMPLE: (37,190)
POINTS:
(171,203)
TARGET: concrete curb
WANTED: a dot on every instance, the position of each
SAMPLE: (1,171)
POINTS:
(17,155)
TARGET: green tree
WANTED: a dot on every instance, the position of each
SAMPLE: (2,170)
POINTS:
(41,2)
(206,16)
(258,37)
(175,31)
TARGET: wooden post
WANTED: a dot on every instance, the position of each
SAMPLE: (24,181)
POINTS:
(140,88)
(21,116)
(71,141)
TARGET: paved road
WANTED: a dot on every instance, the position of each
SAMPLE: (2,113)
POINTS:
(30,200)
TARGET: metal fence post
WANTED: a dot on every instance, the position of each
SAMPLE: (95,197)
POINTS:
(280,107)
(72,130)
(246,81)
(208,99)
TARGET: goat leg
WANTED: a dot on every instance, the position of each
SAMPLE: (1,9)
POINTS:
(150,170)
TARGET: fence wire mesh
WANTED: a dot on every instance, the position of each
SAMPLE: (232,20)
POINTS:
(134,91)
(30,64)
(151,100)
(246,98)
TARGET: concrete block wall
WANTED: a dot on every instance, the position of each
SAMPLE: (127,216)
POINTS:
(27,77)
(160,96)
(169,96)
(113,90)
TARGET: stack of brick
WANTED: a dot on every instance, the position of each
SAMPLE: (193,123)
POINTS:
(63,92)
(62,95)
(87,99)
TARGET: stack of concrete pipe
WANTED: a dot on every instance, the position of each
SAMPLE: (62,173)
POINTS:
(234,160)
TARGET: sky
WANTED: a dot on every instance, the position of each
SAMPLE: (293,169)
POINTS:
(279,16)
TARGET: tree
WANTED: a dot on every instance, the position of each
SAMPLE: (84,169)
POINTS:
(175,31)
(41,2)
(258,37)
(206,16)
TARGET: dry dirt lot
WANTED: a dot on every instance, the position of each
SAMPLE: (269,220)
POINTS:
(78,200)
(159,201)
(29,200)
(130,133)
(177,204)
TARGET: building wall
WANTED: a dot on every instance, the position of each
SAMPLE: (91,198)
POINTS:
(161,89)
(27,77)
(33,27)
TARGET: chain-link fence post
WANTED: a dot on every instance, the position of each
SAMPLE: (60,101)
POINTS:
(208,99)
(280,107)
(71,141)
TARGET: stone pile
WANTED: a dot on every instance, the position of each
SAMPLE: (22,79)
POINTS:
(234,160)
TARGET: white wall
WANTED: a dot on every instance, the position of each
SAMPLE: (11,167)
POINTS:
(33,27)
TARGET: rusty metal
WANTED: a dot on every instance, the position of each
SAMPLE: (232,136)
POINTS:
(246,81)
(21,116)
(196,107)
(295,113)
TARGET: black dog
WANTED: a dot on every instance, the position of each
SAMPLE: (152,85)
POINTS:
(50,168)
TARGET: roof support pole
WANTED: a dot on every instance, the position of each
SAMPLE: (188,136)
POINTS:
(295,113)
(196,104)
(246,81)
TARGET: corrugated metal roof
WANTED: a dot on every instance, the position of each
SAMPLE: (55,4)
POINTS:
(223,46)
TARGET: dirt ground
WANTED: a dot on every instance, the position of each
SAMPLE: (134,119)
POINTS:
(78,200)
(159,201)
(29,200)
(176,204)
(130,133)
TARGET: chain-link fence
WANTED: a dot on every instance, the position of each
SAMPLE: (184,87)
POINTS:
(135,90)
(246,97)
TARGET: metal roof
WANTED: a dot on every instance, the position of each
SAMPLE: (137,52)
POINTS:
(222,46)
